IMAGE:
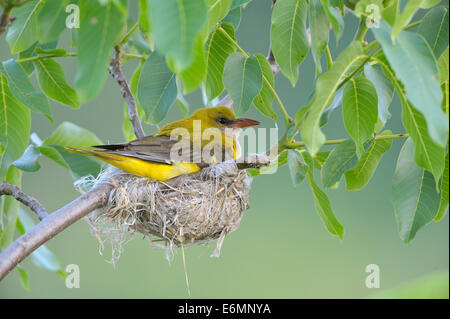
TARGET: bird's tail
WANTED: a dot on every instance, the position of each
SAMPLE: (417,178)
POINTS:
(99,154)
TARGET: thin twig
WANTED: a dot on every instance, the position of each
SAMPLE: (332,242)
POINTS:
(47,56)
(73,54)
(5,19)
(18,194)
(341,140)
(115,70)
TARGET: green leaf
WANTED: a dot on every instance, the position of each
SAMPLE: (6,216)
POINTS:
(322,203)
(337,22)
(288,38)
(443,204)
(297,167)
(243,79)
(52,20)
(80,165)
(263,101)
(445,89)
(415,66)
(427,4)
(28,162)
(427,153)
(193,76)
(320,159)
(101,26)
(402,20)
(144,15)
(443,66)
(218,48)
(348,61)
(300,115)
(22,88)
(239,3)
(28,66)
(69,134)
(341,159)
(390,12)
(337,101)
(9,208)
(175,26)
(434,28)
(157,89)
(337,4)
(53,82)
(54,155)
(319,35)
(137,40)
(359,176)
(23,277)
(217,10)
(233,17)
(183,105)
(414,195)
(434,285)
(384,90)
(14,127)
(24,31)
(360,110)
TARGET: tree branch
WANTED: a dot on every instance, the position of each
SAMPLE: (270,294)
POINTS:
(18,194)
(51,226)
(5,19)
(115,70)
(295,145)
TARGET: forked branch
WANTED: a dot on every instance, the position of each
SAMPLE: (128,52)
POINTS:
(115,70)
(18,194)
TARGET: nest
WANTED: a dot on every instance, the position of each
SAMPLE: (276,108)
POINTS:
(187,210)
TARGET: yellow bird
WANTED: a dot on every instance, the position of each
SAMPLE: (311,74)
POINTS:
(182,147)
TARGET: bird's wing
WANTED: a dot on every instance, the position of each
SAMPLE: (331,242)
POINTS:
(155,149)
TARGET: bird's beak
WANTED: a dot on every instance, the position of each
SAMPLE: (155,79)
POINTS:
(243,122)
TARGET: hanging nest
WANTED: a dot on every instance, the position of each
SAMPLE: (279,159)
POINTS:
(187,210)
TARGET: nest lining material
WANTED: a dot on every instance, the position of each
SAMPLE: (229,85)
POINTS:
(187,210)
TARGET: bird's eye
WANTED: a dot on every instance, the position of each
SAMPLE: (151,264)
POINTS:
(222,120)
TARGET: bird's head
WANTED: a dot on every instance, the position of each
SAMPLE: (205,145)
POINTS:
(222,117)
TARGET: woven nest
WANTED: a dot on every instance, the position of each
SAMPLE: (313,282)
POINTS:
(187,210)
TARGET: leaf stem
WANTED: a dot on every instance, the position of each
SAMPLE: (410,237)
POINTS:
(68,55)
(359,68)
(339,141)
(4,18)
(39,57)
(412,25)
(287,119)
(362,30)
(329,58)
(371,45)
(129,34)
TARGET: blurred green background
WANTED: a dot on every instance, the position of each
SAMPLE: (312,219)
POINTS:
(281,250)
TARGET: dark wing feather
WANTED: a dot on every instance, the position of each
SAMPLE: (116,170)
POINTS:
(150,148)
(157,149)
